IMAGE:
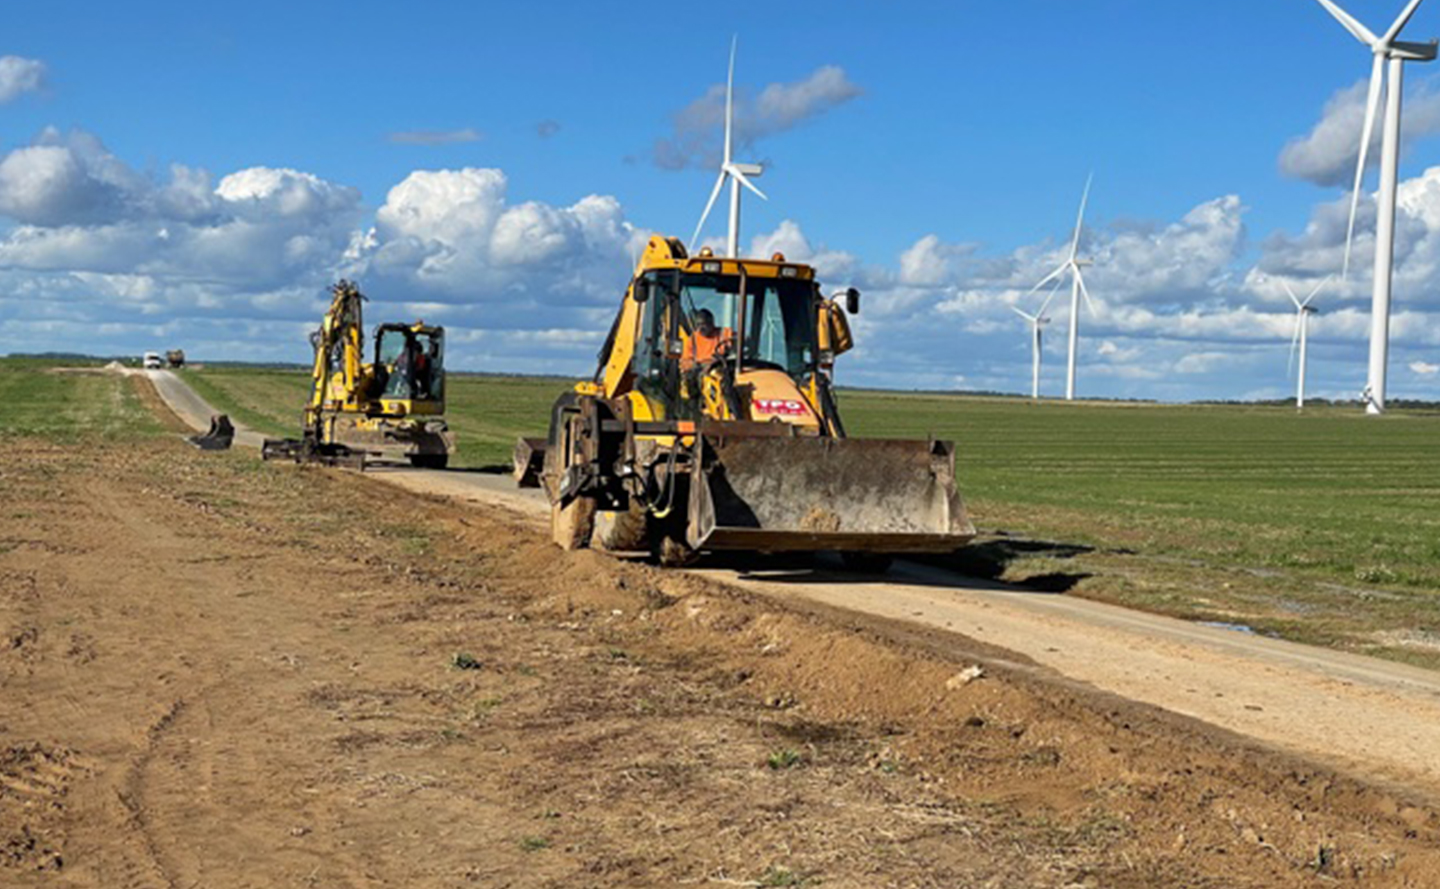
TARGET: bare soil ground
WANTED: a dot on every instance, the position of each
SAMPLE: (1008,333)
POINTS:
(220,673)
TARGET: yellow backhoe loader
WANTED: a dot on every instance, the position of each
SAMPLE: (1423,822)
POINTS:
(391,408)
(711,424)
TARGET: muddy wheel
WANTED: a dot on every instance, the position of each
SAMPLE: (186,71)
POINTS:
(867,563)
(570,525)
(429,461)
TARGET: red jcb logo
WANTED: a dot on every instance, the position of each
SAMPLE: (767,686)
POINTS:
(785,407)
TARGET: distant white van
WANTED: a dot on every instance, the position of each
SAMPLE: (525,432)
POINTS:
(152,361)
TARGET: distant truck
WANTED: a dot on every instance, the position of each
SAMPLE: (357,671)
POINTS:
(175,357)
(152,361)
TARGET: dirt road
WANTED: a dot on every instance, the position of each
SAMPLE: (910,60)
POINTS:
(216,672)
(1371,717)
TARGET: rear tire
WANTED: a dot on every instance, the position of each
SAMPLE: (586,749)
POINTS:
(867,563)
(572,524)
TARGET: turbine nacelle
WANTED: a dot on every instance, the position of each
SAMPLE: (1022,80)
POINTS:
(1411,52)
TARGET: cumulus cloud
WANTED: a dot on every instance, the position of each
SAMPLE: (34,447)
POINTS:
(1328,153)
(1424,368)
(18,76)
(698,128)
(436,137)
(453,235)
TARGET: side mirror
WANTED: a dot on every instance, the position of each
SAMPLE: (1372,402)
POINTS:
(640,290)
(852,301)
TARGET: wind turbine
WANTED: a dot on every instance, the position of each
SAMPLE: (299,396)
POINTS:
(738,174)
(1392,54)
(1073,263)
(1037,321)
(1303,311)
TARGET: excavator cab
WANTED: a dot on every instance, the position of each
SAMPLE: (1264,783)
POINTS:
(410,368)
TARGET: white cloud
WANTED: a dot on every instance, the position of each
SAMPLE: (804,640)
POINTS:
(450,236)
(1328,153)
(18,76)
(1425,369)
(698,127)
(436,137)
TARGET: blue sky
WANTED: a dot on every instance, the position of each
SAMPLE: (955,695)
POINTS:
(969,124)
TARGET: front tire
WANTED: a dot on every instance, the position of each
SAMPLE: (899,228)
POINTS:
(429,461)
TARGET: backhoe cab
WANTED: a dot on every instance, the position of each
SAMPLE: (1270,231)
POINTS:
(390,408)
(711,424)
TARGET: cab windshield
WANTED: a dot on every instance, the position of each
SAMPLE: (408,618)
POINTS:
(773,327)
(413,363)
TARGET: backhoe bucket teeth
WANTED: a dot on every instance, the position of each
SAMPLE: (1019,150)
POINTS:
(780,494)
(218,437)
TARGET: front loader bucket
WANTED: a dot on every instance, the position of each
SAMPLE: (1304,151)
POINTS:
(779,494)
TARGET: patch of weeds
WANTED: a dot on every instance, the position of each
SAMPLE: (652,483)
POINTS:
(784,758)
(451,735)
(526,670)
(534,844)
(889,766)
(464,660)
(485,706)
(619,654)
(781,876)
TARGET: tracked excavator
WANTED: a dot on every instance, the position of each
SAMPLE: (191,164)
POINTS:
(711,424)
(391,408)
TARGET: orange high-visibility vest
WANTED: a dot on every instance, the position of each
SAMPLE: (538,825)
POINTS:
(700,348)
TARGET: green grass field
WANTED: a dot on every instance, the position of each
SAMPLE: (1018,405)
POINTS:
(1322,527)
(39,400)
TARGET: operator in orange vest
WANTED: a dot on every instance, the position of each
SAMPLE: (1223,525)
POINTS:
(705,341)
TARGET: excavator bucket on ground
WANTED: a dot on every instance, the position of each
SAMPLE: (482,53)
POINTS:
(218,437)
(784,494)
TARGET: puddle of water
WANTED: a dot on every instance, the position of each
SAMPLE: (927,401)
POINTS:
(1222,625)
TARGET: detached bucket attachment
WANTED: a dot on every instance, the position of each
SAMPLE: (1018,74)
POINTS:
(219,437)
(529,462)
(851,495)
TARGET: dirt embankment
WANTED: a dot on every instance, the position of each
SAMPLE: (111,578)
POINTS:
(221,673)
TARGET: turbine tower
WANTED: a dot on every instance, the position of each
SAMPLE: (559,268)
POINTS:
(1390,56)
(1037,321)
(1303,311)
(1073,263)
(738,174)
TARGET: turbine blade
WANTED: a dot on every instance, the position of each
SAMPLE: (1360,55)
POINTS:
(730,97)
(709,205)
(1054,289)
(1050,277)
(1400,22)
(1080,217)
(1372,105)
(1293,298)
(1028,317)
(1084,291)
(1361,33)
(1316,292)
(745,181)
